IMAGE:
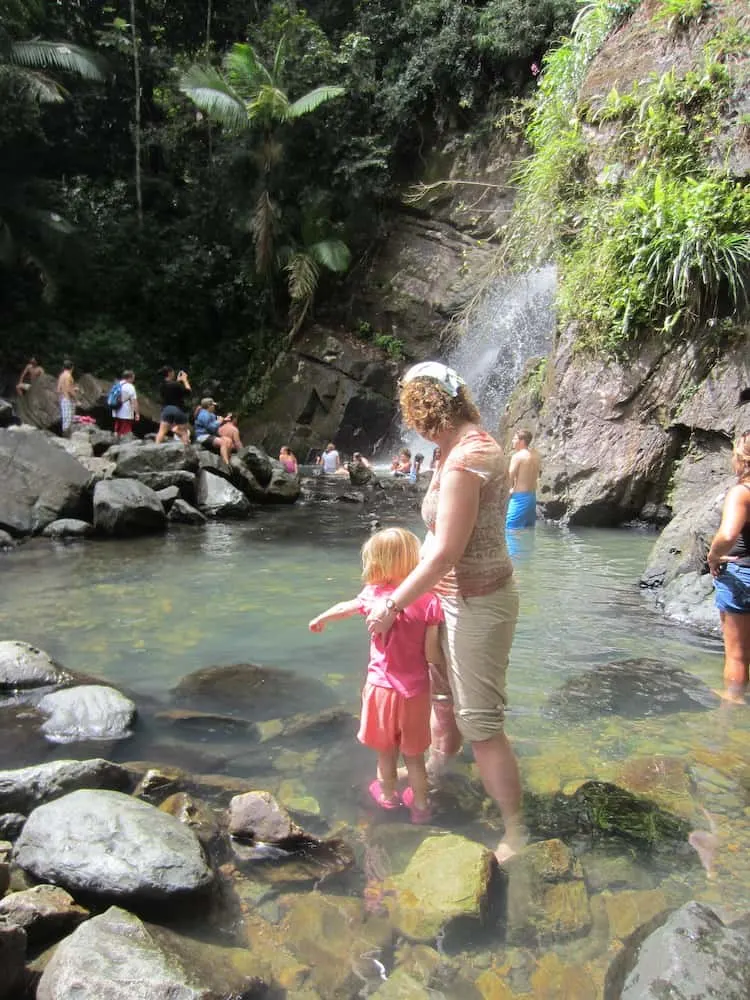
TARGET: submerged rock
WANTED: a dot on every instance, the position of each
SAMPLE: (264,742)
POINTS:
(446,879)
(635,689)
(258,816)
(68,527)
(693,955)
(87,712)
(25,666)
(111,844)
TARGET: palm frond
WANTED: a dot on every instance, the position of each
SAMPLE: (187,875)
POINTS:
(269,105)
(313,99)
(244,69)
(262,226)
(208,89)
(36,86)
(64,57)
(302,277)
(332,254)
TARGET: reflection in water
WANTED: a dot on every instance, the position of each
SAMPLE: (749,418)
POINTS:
(145,614)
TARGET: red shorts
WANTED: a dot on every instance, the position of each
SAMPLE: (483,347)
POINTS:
(390,721)
(123,427)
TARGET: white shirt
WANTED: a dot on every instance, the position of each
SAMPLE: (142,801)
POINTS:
(330,461)
(127,395)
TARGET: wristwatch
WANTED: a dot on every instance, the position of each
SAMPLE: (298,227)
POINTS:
(392,606)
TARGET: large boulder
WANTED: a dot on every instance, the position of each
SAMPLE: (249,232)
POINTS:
(182,513)
(218,498)
(139,457)
(693,955)
(41,482)
(127,507)
(24,788)
(111,844)
(86,712)
(25,666)
(40,406)
(185,481)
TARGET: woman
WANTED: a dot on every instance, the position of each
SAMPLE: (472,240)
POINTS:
(288,460)
(208,429)
(729,563)
(466,563)
(174,392)
(330,460)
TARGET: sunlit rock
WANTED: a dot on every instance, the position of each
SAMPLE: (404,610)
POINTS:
(87,712)
(68,527)
(195,814)
(24,788)
(258,816)
(45,912)
(25,666)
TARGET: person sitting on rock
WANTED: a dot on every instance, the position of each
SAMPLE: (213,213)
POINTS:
(288,460)
(401,464)
(208,426)
(31,372)
(360,471)
(230,430)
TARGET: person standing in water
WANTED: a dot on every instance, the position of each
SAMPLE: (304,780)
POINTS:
(330,460)
(525,466)
(396,697)
(729,563)
(465,561)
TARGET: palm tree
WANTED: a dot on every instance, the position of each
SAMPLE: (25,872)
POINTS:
(28,63)
(248,96)
(303,267)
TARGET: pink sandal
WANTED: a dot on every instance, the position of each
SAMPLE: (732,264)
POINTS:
(376,793)
(418,816)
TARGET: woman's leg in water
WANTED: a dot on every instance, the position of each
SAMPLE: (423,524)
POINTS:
(736,632)
(498,770)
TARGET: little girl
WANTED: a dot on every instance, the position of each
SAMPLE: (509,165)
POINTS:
(396,696)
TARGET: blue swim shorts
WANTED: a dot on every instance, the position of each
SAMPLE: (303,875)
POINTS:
(521,511)
(732,589)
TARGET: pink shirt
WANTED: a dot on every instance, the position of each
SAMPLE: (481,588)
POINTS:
(397,661)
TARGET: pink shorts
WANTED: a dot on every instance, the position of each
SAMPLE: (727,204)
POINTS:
(390,721)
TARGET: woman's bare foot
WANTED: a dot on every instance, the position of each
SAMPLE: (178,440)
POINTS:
(514,841)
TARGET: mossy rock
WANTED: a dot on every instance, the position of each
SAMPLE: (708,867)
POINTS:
(445,881)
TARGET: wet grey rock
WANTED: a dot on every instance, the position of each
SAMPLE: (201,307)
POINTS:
(127,507)
(262,479)
(258,462)
(258,816)
(282,487)
(182,513)
(12,960)
(109,955)
(635,689)
(6,413)
(111,844)
(167,496)
(692,956)
(141,457)
(689,600)
(211,461)
(41,482)
(218,498)
(186,482)
(68,527)
(87,712)
(25,666)
(101,440)
(45,912)
(24,788)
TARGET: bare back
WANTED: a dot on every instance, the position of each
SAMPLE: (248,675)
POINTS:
(525,466)
(66,387)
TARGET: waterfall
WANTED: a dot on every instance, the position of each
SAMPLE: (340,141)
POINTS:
(514,321)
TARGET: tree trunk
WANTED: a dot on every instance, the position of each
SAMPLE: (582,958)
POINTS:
(137,79)
(209,17)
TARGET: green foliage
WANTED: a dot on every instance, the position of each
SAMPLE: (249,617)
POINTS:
(680,13)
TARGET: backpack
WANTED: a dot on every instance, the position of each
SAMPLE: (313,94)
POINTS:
(114,397)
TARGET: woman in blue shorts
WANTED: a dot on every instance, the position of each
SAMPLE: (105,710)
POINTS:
(729,562)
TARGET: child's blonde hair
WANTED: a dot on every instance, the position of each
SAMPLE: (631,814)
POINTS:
(389,556)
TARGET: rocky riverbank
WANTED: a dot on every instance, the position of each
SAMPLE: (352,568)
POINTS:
(110,872)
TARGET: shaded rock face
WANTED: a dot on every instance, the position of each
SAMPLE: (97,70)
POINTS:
(618,438)
(142,458)
(217,497)
(126,507)
(12,959)
(634,689)
(693,955)
(45,912)
(108,843)
(41,482)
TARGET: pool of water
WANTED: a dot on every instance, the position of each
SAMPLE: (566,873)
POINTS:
(143,614)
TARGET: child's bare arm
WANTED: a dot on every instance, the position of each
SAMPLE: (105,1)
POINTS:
(344,609)
(433,652)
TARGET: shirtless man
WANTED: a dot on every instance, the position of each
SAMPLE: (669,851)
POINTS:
(67,391)
(525,466)
(32,371)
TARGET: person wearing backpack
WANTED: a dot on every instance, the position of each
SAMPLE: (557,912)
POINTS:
(123,399)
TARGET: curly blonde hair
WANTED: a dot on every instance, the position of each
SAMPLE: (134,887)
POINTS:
(389,556)
(741,455)
(429,409)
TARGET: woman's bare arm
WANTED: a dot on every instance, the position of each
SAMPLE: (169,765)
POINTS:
(735,514)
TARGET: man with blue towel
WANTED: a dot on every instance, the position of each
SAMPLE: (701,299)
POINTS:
(525,466)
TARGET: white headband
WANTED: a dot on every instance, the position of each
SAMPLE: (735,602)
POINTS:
(447,379)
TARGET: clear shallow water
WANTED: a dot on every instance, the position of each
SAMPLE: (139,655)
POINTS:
(143,614)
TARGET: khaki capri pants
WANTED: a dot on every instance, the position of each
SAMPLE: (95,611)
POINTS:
(476,638)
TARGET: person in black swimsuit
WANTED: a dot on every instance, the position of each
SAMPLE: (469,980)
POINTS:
(729,563)
(174,392)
